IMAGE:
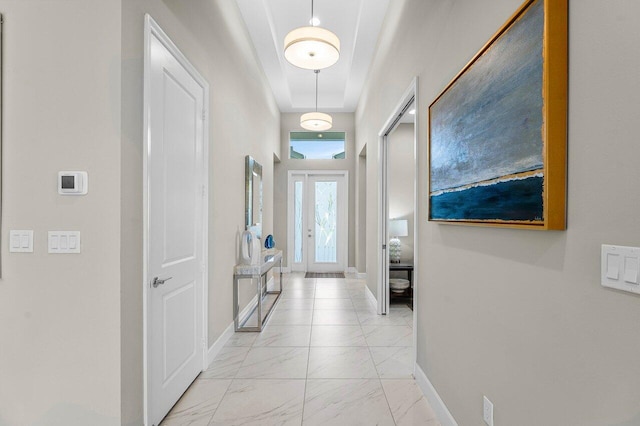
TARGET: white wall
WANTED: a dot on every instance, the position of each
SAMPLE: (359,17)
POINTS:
(290,122)
(59,314)
(517,315)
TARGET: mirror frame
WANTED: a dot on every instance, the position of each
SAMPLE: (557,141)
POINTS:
(253,214)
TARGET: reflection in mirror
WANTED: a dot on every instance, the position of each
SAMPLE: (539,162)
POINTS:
(253,196)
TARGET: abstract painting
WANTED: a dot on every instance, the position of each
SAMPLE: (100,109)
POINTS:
(497,133)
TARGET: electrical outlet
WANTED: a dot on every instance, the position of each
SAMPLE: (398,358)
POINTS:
(487,413)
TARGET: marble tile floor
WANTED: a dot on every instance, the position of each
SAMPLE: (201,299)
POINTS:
(324,358)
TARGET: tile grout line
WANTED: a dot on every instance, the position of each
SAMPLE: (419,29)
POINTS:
(306,376)
(377,373)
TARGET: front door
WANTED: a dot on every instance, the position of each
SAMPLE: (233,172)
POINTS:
(318,228)
(175,190)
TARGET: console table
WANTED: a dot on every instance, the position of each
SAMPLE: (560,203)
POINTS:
(257,274)
(408,268)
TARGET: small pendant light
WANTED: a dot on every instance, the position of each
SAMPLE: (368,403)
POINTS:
(311,48)
(316,121)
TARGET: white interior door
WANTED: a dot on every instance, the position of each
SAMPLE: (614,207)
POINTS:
(175,200)
(318,233)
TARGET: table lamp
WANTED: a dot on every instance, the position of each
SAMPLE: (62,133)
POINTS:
(397,228)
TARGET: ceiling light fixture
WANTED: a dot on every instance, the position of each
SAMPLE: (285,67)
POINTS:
(312,48)
(316,121)
(314,21)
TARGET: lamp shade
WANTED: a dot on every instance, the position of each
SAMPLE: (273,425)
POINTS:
(316,121)
(398,228)
(311,48)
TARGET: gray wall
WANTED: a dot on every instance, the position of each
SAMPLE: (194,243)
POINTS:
(401,170)
(342,122)
(517,315)
(72,325)
(361,211)
(59,314)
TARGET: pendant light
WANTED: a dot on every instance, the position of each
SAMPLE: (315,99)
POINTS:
(311,48)
(316,121)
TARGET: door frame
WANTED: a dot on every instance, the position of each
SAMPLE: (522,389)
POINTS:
(152,29)
(344,246)
(410,96)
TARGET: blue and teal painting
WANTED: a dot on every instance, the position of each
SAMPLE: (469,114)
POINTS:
(486,144)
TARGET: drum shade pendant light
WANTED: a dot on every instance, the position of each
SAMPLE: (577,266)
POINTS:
(316,121)
(311,48)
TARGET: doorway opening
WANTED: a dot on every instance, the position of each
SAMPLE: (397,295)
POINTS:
(398,277)
(317,221)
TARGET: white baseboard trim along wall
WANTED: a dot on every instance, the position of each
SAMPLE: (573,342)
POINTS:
(214,349)
(371,297)
(442,412)
(362,275)
(217,346)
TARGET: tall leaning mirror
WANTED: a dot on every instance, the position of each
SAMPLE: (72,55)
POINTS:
(253,196)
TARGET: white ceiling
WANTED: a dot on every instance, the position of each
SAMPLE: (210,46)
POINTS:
(357,24)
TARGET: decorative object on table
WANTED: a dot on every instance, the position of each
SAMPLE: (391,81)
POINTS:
(250,248)
(312,47)
(398,285)
(397,228)
(269,242)
(497,142)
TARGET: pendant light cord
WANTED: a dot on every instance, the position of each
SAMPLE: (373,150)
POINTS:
(317,72)
(312,22)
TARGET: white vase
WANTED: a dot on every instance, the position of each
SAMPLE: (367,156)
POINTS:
(394,250)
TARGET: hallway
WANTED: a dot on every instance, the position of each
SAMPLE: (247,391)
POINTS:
(325,357)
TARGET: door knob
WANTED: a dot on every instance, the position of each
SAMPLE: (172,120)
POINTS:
(157,281)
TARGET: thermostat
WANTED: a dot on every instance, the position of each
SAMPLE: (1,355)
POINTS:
(73,183)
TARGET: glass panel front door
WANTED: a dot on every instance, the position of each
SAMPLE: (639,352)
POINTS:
(326,196)
(318,227)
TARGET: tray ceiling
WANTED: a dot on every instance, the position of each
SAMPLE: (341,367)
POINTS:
(356,22)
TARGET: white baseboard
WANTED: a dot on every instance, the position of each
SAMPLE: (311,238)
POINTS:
(442,412)
(362,275)
(214,349)
(228,332)
(351,270)
(370,296)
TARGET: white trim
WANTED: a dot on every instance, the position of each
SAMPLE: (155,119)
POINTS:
(217,346)
(363,276)
(351,270)
(383,202)
(370,295)
(442,412)
(151,28)
(344,247)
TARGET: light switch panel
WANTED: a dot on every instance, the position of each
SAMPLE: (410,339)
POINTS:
(21,241)
(64,242)
(631,269)
(620,267)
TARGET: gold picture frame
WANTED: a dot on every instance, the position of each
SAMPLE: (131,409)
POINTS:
(498,131)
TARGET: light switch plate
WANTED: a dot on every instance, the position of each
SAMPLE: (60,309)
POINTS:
(64,242)
(21,241)
(487,411)
(620,268)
